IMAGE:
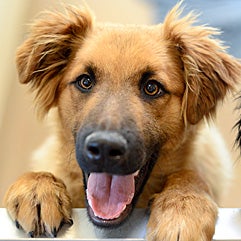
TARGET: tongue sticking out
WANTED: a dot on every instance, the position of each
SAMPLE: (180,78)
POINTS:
(108,195)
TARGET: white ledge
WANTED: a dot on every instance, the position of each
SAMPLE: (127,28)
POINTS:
(228,227)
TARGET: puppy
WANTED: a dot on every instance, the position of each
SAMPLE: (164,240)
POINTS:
(130,107)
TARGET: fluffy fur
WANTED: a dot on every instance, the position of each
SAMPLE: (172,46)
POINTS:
(192,163)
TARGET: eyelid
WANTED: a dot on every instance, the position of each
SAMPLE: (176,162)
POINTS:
(147,75)
(151,75)
(89,70)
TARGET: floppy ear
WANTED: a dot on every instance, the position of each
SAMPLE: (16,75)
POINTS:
(43,57)
(209,72)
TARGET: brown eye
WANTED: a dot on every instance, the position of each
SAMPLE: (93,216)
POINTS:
(153,88)
(84,83)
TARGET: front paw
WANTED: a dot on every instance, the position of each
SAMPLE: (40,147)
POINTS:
(190,218)
(39,204)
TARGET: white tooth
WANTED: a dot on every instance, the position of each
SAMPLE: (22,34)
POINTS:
(136,173)
(89,198)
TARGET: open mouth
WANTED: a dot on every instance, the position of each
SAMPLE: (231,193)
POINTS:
(111,198)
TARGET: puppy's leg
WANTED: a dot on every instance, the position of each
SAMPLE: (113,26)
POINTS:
(184,211)
(39,203)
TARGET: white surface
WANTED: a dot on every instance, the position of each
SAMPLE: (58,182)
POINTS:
(228,227)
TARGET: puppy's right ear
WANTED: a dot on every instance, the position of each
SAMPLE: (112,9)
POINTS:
(52,43)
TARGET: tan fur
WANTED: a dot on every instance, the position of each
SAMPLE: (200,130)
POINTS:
(191,171)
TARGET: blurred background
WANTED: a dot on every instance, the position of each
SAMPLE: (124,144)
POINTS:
(21,133)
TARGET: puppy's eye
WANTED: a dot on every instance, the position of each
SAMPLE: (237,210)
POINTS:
(84,83)
(153,88)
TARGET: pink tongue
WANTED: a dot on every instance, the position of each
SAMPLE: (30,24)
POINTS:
(108,195)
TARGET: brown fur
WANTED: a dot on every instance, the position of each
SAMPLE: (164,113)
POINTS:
(189,176)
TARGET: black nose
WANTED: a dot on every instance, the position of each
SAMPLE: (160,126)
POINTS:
(105,149)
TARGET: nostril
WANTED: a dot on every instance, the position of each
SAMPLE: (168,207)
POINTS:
(93,150)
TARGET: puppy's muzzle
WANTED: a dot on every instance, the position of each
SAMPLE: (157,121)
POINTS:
(109,151)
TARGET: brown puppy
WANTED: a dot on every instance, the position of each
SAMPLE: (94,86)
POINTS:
(130,106)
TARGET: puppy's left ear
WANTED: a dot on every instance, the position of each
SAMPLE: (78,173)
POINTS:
(49,48)
(209,72)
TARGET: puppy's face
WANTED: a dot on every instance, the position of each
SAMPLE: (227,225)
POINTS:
(125,95)
(123,91)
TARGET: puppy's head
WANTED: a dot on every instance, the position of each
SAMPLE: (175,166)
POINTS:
(126,95)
